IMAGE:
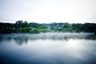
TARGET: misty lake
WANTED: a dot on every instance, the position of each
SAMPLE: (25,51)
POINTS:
(48,48)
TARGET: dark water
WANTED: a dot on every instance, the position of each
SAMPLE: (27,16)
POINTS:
(48,48)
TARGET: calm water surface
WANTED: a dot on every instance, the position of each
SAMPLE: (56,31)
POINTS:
(48,48)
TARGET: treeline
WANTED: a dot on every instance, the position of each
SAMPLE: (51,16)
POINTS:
(25,27)
(22,27)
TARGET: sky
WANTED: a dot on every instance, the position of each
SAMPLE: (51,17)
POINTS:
(48,11)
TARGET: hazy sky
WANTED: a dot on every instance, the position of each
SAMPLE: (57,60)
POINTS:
(46,11)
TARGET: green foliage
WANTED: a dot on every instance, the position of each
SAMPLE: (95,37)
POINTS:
(25,27)
(68,30)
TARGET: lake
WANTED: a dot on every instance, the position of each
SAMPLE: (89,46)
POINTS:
(48,48)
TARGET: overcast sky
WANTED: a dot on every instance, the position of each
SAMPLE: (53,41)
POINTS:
(48,11)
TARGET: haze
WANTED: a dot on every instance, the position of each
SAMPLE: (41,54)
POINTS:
(48,11)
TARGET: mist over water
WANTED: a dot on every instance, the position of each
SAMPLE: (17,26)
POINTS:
(48,48)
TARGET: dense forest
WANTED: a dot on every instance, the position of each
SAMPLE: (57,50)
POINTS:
(24,27)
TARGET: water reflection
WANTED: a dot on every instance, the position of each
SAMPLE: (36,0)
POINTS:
(23,38)
(48,49)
